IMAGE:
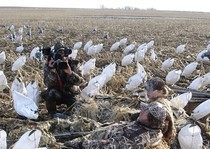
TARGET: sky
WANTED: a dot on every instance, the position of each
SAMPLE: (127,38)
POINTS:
(178,5)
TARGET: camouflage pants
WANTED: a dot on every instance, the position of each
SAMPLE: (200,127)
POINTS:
(119,136)
(55,97)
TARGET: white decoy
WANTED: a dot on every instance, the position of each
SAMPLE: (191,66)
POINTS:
(123,41)
(19,48)
(206,79)
(106,35)
(197,83)
(94,86)
(99,47)
(19,63)
(33,91)
(19,86)
(19,38)
(141,71)
(77,45)
(33,53)
(190,137)
(139,55)
(200,59)
(181,100)
(173,76)
(133,82)
(24,105)
(115,46)
(29,140)
(11,27)
(20,31)
(128,59)
(73,54)
(87,45)
(129,48)
(88,66)
(94,49)
(167,64)
(109,71)
(2,57)
(188,70)
(142,46)
(153,55)
(180,49)
(150,44)
(3,139)
(3,81)
(201,110)
(91,50)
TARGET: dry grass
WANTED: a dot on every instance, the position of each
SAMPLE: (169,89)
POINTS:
(167,29)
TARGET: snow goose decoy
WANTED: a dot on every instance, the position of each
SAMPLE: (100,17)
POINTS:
(3,81)
(123,41)
(109,71)
(128,59)
(181,100)
(33,91)
(201,110)
(94,49)
(20,48)
(2,57)
(197,83)
(115,46)
(153,55)
(77,45)
(167,64)
(129,48)
(29,140)
(24,105)
(3,139)
(19,63)
(73,54)
(201,56)
(88,66)
(133,82)
(94,85)
(87,45)
(173,76)
(18,85)
(188,70)
(150,44)
(180,49)
(190,137)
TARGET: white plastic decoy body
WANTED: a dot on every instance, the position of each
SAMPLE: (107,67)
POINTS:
(181,100)
(128,59)
(201,110)
(24,105)
(190,137)
(19,63)
(173,76)
(188,70)
(167,64)
(29,140)
(2,57)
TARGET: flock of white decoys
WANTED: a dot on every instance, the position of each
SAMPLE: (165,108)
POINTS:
(26,98)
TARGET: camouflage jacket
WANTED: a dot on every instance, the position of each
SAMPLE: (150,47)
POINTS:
(120,136)
(52,76)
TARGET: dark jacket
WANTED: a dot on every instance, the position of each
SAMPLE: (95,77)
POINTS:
(52,76)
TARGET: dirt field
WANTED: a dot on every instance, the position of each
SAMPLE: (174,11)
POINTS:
(168,29)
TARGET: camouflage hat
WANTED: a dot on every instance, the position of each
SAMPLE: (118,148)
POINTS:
(154,84)
(155,108)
